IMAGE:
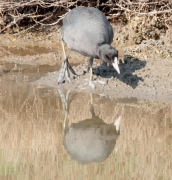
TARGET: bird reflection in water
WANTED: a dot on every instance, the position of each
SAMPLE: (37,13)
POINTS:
(91,140)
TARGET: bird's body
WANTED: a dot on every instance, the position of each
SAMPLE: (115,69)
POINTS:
(85,29)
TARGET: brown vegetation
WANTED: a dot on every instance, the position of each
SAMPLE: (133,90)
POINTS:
(17,15)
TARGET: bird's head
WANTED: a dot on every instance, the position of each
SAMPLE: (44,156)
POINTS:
(110,55)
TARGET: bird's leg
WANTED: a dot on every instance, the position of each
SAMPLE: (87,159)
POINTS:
(66,59)
(65,67)
(88,67)
(90,81)
(92,107)
(67,73)
(64,100)
(91,69)
(62,72)
(64,53)
(91,74)
(70,67)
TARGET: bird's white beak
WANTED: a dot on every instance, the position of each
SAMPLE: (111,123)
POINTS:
(115,65)
(117,123)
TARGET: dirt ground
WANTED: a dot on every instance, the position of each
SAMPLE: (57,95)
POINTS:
(146,68)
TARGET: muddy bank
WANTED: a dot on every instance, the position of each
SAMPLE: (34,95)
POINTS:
(145,68)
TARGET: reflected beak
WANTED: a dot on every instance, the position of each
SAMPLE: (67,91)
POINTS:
(115,65)
(117,123)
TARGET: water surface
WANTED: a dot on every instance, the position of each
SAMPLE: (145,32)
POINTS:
(44,133)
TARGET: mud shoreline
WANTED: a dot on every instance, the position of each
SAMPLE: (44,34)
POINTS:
(146,68)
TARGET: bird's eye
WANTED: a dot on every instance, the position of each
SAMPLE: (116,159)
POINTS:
(108,57)
(101,43)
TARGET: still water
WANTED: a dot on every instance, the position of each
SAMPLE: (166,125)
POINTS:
(52,134)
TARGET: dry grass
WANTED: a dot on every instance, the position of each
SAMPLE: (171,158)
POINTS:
(21,15)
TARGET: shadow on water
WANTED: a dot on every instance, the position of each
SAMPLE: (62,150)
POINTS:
(89,140)
(36,123)
(130,65)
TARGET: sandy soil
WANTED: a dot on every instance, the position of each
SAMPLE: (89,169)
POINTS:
(146,69)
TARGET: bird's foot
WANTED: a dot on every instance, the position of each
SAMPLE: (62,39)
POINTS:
(88,82)
(65,72)
(62,73)
(101,82)
(91,83)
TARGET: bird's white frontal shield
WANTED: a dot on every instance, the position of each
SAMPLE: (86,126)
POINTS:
(115,65)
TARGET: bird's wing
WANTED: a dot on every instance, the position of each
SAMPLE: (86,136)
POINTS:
(83,39)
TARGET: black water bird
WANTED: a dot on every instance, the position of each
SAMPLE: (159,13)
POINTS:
(87,31)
